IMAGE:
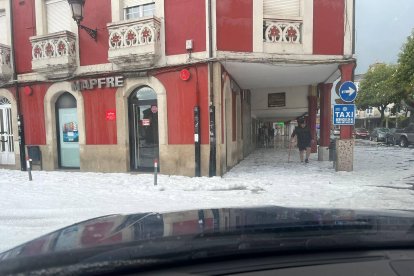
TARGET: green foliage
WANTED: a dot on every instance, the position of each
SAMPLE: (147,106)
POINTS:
(378,88)
(405,72)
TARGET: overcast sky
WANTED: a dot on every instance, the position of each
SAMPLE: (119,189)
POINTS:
(382,26)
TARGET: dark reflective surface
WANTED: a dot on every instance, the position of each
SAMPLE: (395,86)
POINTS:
(119,229)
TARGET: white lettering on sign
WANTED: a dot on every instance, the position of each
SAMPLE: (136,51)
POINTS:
(90,84)
(344,114)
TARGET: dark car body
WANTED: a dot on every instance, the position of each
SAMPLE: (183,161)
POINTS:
(390,138)
(361,133)
(405,136)
(152,240)
(378,134)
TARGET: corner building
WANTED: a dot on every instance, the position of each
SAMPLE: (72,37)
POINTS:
(183,82)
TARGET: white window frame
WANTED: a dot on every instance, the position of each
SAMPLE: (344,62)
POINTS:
(140,10)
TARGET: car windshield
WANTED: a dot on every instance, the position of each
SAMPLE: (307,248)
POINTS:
(143,108)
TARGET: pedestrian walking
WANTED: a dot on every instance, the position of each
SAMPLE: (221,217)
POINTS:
(304,139)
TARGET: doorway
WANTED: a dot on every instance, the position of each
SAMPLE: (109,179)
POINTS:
(7,156)
(67,131)
(143,129)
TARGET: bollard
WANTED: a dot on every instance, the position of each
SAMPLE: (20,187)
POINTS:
(29,168)
(155,171)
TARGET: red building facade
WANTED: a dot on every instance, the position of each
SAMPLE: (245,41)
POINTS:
(130,96)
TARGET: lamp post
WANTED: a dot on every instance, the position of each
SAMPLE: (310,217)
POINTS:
(77,14)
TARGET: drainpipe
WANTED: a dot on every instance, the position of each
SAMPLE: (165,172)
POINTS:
(16,86)
(353,27)
(212,109)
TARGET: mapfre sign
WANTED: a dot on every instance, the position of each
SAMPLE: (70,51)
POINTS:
(89,84)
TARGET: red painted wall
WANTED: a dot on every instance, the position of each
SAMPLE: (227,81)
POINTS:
(184,19)
(97,15)
(32,108)
(235,25)
(181,100)
(99,131)
(328,27)
(24,27)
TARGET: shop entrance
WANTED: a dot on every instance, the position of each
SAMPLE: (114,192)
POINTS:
(7,156)
(143,129)
(67,131)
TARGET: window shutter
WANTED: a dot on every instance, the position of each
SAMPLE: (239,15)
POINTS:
(3,27)
(59,16)
(281,8)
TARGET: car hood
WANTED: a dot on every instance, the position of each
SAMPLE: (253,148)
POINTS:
(270,227)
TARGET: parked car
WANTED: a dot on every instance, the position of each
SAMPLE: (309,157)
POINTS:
(405,136)
(378,134)
(336,131)
(390,138)
(361,133)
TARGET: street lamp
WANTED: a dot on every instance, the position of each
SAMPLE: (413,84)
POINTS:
(77,15)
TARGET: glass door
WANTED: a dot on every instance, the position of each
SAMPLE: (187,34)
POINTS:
(143,118)
(67,131)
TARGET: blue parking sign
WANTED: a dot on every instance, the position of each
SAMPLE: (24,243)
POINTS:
(344,114)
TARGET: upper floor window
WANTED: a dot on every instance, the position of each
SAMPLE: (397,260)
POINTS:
(284,8)
(137,9)
(59,16)
(3,27)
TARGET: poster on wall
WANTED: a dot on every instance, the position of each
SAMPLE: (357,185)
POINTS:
(69,138)
(70,132)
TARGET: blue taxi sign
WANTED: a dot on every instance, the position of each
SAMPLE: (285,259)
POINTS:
(344,114)
(348,91)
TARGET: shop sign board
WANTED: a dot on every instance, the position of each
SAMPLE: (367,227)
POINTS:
(110,115)
(90,84)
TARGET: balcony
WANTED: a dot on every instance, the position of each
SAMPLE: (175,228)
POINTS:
(135,43)
(283,36)
(5,66)
(54,55)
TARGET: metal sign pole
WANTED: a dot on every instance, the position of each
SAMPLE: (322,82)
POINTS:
(155,171)
(29,168)
(197,145)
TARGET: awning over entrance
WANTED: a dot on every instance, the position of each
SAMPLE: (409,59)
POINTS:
(262,79)
(260,75)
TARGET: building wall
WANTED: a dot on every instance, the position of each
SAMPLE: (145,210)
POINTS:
(234,25)
(32,108)
(99,130)
(184,19)
(328,27)
(99,14)
(182,97)
(24,26)
(296,97)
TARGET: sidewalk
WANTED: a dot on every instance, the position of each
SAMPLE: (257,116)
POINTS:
(381,179)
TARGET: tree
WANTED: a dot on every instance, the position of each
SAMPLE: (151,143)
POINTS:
(378,88)
(405,73)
